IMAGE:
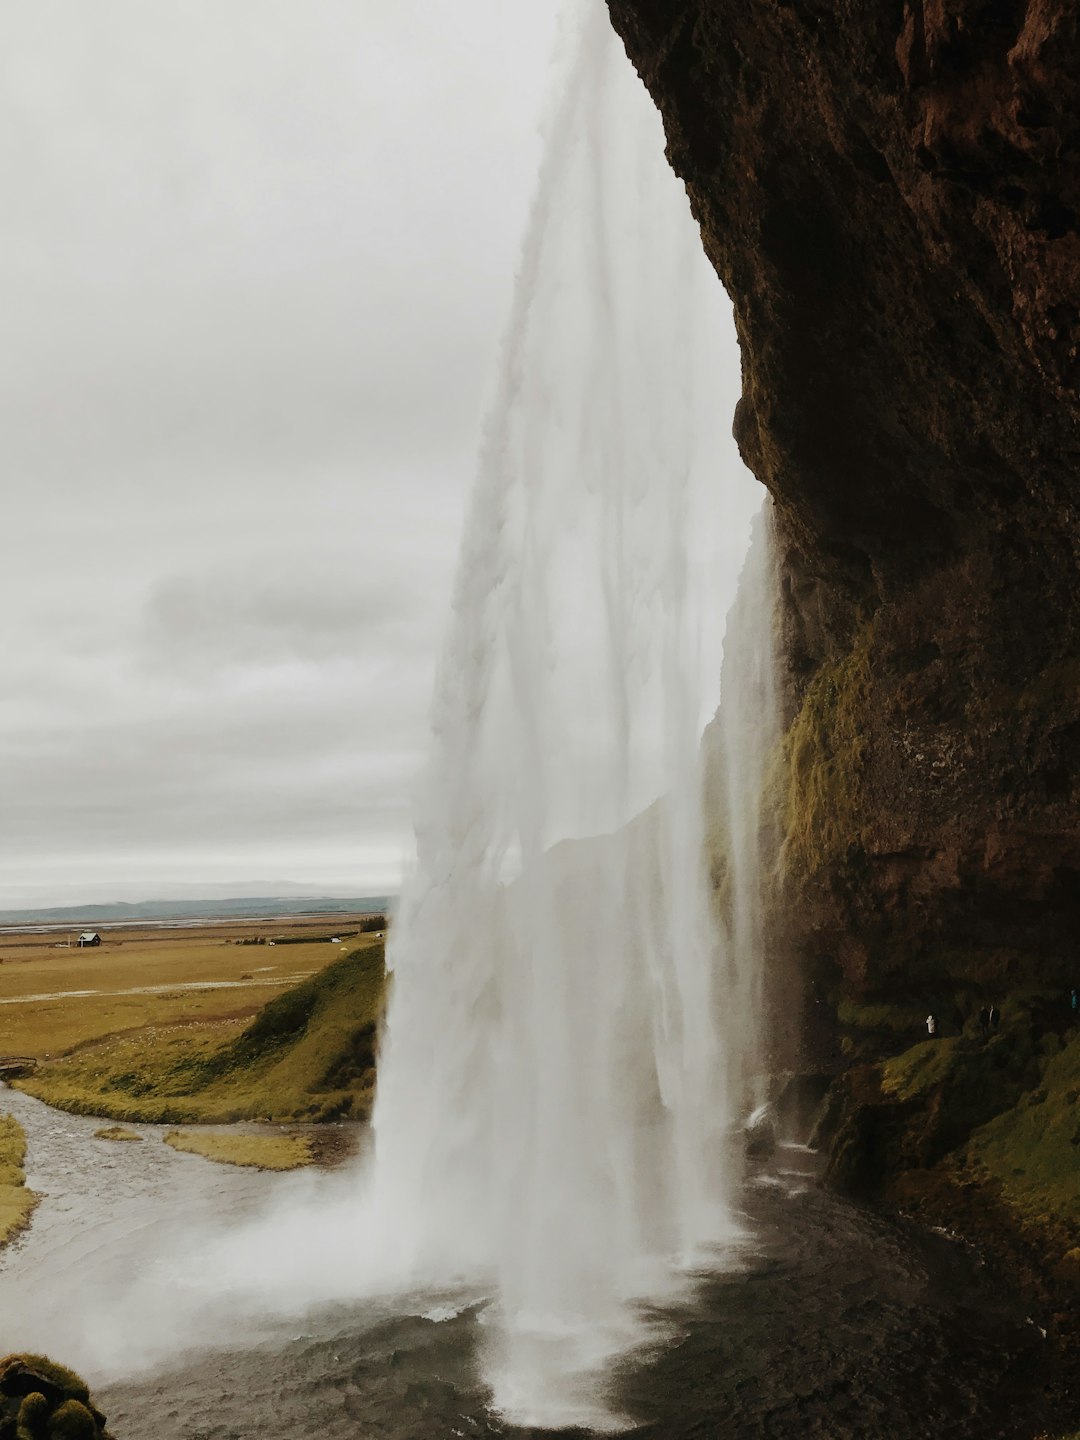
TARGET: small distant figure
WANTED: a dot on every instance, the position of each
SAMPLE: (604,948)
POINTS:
(993,1018)
(984,1021)
(1075,1003)
(931,1026)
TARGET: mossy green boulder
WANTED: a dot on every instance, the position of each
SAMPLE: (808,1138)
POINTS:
(40,1400)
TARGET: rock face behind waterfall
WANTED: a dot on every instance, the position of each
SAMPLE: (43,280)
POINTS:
(890,194)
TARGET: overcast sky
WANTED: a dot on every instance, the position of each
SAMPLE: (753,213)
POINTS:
(255,263)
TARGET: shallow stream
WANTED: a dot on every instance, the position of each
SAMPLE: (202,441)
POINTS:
(838,1323)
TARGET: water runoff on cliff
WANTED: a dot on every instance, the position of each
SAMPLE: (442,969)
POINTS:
(571,1034)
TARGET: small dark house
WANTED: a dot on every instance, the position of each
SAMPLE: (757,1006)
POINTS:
(89,937)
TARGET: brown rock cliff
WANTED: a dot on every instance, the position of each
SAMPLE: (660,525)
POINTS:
(890,193)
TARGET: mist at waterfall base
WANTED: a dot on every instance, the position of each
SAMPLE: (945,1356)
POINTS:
(571,1036)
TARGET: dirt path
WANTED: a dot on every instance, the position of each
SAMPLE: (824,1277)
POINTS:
(175,989)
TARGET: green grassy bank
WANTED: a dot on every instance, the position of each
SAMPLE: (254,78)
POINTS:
(977,1120)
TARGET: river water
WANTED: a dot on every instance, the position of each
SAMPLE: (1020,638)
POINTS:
(836,1323)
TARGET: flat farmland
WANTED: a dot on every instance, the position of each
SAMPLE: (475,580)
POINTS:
(54,996)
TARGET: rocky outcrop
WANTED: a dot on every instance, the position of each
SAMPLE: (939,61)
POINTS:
(40,1400)
(16,1067)
(890,194)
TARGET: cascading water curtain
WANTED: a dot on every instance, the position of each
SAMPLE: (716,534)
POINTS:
(561,1074)
(570,1038)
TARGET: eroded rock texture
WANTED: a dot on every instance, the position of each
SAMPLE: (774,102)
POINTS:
(890,193)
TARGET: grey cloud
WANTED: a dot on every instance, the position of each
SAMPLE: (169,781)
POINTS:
(280,607)
(257,258)
(288,760)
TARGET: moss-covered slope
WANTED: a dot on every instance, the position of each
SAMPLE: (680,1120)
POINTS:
(1031,1152)
(978,1130)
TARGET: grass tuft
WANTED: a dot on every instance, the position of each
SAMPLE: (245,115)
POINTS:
(263,1152)
(16,1201)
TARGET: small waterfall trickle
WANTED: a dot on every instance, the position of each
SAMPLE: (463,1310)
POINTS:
(739,745)
(570,1032)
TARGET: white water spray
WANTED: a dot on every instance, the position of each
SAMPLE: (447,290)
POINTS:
(568,1038)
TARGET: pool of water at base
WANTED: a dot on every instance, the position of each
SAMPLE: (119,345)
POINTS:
(838,1323)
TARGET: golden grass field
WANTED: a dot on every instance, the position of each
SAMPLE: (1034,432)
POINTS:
(191,1027)
(43,1014)
(263,1152)
(16,1201)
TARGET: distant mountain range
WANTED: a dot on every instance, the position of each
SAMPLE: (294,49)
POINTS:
(240,907)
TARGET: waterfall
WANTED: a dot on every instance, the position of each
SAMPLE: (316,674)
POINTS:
(570,1032)
(573,1028)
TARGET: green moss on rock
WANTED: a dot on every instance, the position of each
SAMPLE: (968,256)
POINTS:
(917,1070)
(41,1400)
(825,752)
(72,1421)
(912,1111)
(882,1017)
(32,1417)
(58,1376)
